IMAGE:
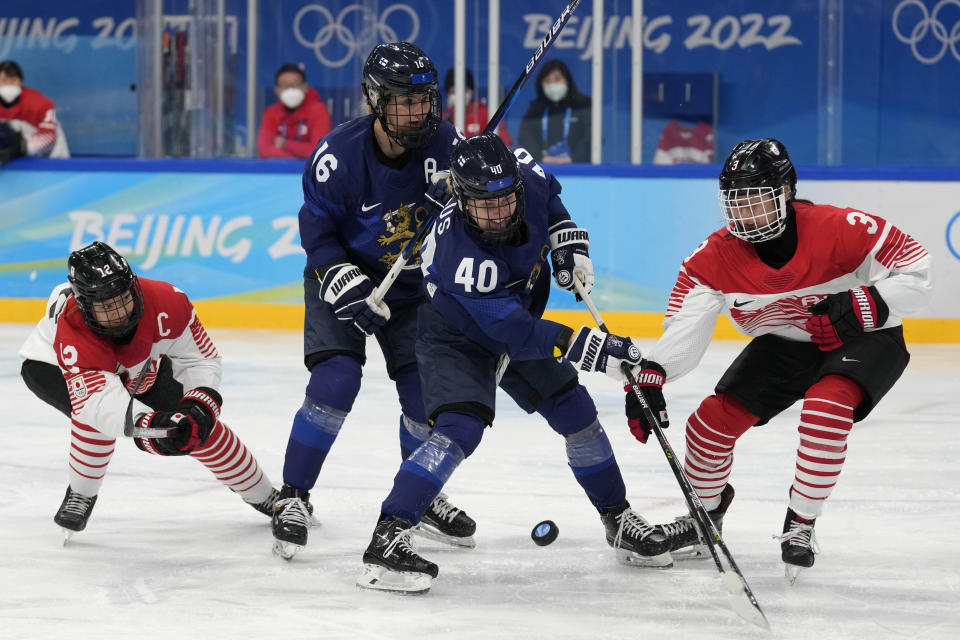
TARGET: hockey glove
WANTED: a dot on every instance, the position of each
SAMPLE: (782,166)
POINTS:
(649,377)
(568,253)
(438,194)
(193,420)
(12,143)
(594,350)
(842,317)
(350,292)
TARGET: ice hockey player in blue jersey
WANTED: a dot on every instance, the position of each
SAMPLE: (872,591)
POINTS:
(484,271)
(364,195)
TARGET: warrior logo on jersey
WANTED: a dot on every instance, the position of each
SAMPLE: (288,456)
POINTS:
(399,225)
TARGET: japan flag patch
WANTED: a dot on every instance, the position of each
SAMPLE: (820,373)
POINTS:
(77,388)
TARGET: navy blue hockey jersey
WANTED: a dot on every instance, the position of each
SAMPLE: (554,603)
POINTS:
(357,209)
(495,294)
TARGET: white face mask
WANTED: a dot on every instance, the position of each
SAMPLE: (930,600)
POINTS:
(292,97)
(9,92)
(467,98)
(555,91)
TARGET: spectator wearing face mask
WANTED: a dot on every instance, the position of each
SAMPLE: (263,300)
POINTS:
(28,121)
(476,113)
(292,126)
(556,126)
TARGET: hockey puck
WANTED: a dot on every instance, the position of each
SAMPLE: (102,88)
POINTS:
(544,533)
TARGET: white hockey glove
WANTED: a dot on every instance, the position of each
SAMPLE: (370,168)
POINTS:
(594,350)
(569,247)
(350,293)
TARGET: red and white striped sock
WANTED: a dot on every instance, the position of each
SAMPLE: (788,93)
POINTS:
(233,464)
(712,430)
(90,453)
(825,421)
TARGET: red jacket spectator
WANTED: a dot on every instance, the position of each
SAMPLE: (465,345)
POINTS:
(475,112)
(297,129)
(31,114)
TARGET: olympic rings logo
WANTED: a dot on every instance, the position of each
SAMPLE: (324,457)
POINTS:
(953,236)
(929,24)
(354,42)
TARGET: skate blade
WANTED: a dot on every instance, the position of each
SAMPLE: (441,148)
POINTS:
(67,534)
(633,559)
(285,550)
(695,552)
(792,572)
(426,531)
(382,579)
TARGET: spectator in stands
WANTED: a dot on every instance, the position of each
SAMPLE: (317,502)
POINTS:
(476,113)
(556,126)
(28,121)
(292,126)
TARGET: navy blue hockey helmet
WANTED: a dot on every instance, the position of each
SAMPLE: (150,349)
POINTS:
(488,187)
(107,291)
(756,183)
(392,72)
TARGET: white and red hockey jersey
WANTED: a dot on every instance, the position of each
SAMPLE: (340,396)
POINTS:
(837,249)
(101,374)
(33,115)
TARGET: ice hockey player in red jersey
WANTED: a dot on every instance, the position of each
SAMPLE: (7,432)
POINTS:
(85,356)
(821,290)
(27,119)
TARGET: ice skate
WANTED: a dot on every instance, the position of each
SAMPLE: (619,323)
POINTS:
(391,563)
(291,518)
(686,540)
(74,512)
(637,542)
(446,523)
(798,544)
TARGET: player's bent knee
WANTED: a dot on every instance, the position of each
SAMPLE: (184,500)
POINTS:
(723,413)
(464,429)
(569,412)
(838,389)
(335,382)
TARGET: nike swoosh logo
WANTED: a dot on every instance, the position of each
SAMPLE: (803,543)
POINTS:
(364,207)
(738,304)
(846,359)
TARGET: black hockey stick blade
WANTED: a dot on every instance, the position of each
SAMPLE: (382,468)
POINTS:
(128,418)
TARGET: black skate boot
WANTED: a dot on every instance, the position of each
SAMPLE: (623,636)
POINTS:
(291,517)
(266,507)
(391,563)
(798,544)
(74,512)
(636,541)
(446,523)
(686,541)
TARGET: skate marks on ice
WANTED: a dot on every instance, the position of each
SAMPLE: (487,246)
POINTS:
(168,551)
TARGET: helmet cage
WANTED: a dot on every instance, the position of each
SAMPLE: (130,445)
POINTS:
(105,287)
(482,212)
(754,214)
(402,69)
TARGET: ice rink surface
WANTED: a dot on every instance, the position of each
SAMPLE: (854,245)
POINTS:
(171,553)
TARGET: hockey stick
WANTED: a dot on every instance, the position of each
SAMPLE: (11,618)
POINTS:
(136,432)
(742,600)
(413,245)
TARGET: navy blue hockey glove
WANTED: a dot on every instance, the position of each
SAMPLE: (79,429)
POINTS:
(438,194)
(193,420)
(569,247)
(594,350)
(842,317)
(12,144)
(350,292)
(649,377)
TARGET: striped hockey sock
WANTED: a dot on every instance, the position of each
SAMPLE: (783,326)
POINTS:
(233,465)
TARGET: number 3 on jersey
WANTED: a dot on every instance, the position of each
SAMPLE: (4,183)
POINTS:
(323,164)
(485,280)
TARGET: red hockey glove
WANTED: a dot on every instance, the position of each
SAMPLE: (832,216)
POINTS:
(842,317)
(196,415)
(650,377)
